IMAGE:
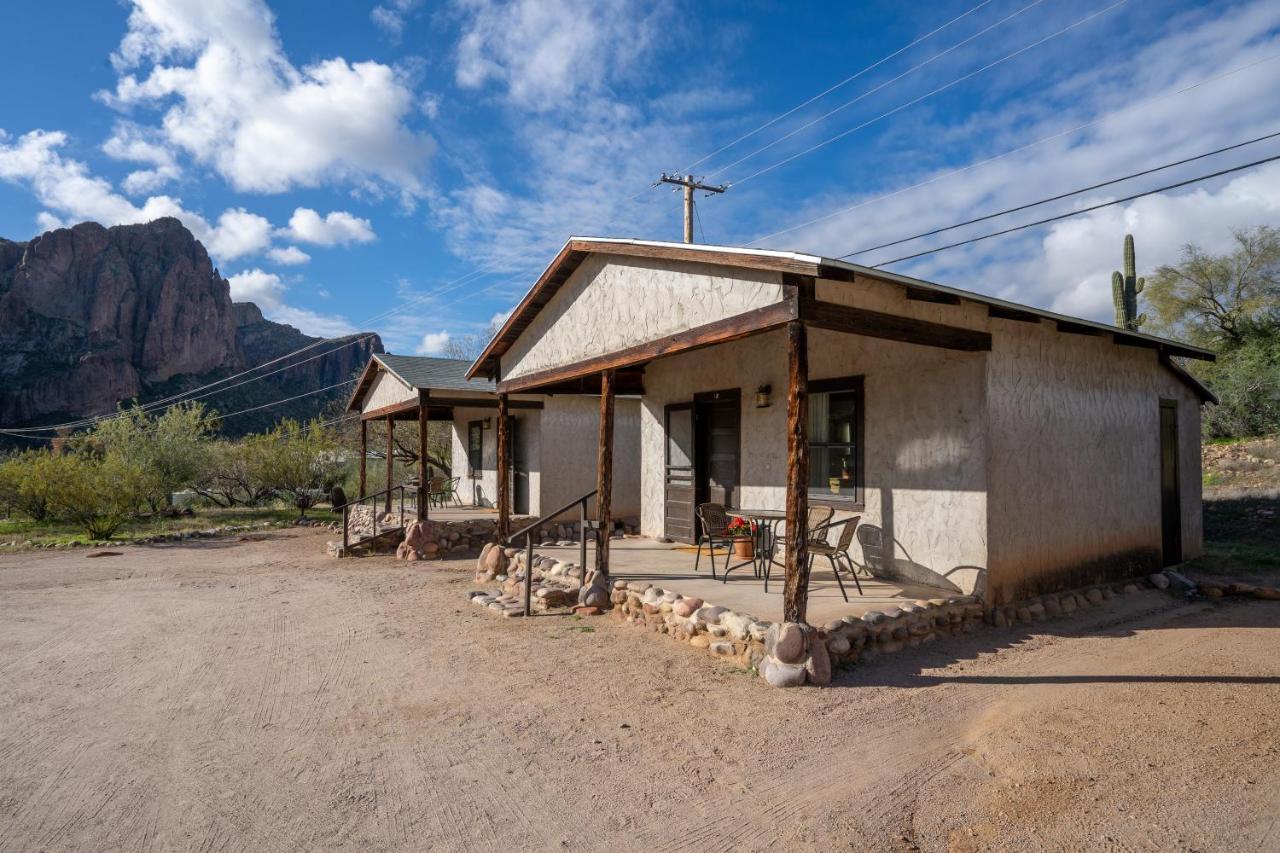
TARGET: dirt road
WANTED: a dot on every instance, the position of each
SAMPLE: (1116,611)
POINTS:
(256,695)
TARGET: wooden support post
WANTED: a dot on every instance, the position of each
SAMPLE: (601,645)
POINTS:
(795,594)
(424,472)
(391,454)
(364,455)
(504,470)
(604,474)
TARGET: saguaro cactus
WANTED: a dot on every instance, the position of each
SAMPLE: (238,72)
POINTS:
(1125,288)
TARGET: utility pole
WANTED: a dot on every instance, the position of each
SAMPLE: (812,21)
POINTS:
(690,183)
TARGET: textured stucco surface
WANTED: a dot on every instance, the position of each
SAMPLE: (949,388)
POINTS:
(925,439)
(1075,465)
(387,390)
(610,303)
(561,451)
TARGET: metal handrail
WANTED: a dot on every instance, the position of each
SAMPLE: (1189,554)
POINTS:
(528,530)
(372,498)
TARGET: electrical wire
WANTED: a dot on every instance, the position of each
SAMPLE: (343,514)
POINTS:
(927,95)
(1079,212)
(970,167)
(1068,194)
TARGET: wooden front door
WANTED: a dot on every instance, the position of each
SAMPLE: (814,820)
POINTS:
(519,456)
(680,460)
(1170,487)
(717,422)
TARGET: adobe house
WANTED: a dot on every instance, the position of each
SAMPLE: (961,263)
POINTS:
(547,466)
(1003,450)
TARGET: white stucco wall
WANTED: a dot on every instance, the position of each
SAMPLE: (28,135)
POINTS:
(925,448)
(611,302)
(387,390)
(561,453)
(1075,456)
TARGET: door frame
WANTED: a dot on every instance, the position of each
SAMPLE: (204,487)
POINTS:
(701,476)
(692,467)
(518,453)
(1170,528)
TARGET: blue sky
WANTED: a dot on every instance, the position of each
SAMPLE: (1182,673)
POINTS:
(409,166)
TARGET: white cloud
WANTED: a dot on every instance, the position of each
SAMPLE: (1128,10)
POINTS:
(73,194)
(546,52)
(135,144)
(433,343)
(335,228)
(267,290)
(235,102)
(288,255)
(390,16)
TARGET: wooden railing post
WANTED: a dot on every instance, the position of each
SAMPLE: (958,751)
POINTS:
(504,474)
(604,474)
(795,595)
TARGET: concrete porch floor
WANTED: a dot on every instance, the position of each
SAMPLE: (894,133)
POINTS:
(670,566)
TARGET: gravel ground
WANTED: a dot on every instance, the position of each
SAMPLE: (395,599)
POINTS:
(256,695)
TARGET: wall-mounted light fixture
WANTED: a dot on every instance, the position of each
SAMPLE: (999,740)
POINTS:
(487,423)
(762,397)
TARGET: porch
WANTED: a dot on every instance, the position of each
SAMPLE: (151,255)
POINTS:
(671,566)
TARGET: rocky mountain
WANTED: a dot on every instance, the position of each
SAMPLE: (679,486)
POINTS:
(93,316)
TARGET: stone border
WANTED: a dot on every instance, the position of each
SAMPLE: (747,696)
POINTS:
(176,536)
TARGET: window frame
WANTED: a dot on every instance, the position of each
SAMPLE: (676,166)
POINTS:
(475,427)
(839,385)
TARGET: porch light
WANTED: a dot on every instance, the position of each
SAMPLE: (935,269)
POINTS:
(762,397)
(488,423)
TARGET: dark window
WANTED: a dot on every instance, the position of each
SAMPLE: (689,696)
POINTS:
(475,447)
(835,440)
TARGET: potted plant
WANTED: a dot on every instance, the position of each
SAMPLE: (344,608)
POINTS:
(743,533)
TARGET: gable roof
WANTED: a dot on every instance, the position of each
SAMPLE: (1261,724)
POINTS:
(420,373)
(576,250)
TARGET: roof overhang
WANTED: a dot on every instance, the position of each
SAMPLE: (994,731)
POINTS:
(576,250)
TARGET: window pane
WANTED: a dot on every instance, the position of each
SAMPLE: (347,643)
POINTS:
(833,470)
(842,418)
(680,437)
(818,423)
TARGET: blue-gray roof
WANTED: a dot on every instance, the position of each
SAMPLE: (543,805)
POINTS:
(422,372)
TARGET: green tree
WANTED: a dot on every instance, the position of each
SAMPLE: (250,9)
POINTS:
(98,493)
(303,462)
(171,449)
(24,483)
(1231,304)
(235,472)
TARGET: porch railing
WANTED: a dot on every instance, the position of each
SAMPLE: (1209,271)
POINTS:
(408,499)
(529,529)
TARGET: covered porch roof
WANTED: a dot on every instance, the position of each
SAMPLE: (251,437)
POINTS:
(798,274)
(436,384)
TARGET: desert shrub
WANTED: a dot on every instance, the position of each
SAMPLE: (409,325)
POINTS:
(302,462)
(170,449)
(24,484)
(97,493)
(237,473)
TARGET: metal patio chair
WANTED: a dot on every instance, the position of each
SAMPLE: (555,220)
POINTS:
(838,552)
(715,531)
(871,538)
(816,519)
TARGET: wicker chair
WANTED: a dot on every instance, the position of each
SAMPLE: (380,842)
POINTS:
(715,531)
(871,538)
(816,519)
(838,552)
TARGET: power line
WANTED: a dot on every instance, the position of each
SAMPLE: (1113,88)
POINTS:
(944,175)
(878,88)
(831,89)
(927,95)
(285,400)
(1079,212)
(1068,194)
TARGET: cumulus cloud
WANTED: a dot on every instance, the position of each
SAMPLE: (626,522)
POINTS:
(134,144)
(335,228)
(288,255)
(390,16)
(433,343)
(235,102)
(544,53)
(267,290)
(73,194)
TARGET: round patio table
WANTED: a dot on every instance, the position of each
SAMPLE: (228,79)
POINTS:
(764,524)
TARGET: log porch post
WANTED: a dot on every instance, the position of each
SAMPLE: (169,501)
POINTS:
(604,474)
(364,454)
(795,594)
(391,428)
(504,473)
(424,487)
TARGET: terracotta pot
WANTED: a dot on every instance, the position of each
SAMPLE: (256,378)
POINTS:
(743,549)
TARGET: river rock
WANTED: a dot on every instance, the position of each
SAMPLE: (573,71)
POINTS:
(686,607)
(782,674)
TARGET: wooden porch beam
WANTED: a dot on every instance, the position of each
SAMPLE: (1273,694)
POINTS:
(424,486)
(504,474)
(391,455)
(364,455)
(795,592)
(722,331)
(604,474)
(877,324)
(404,408)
